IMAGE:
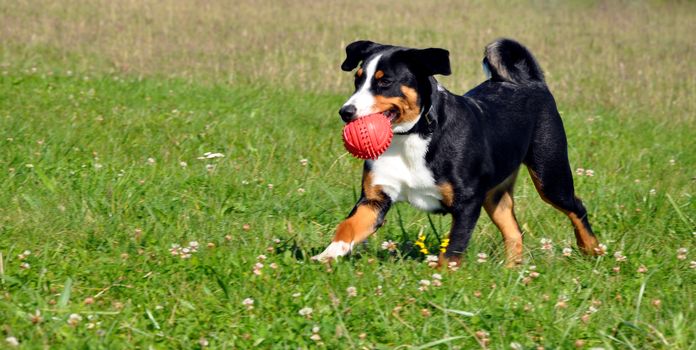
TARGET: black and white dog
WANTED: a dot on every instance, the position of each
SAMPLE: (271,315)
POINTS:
(455,154)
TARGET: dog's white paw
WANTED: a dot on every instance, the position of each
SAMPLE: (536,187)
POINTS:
(333,251)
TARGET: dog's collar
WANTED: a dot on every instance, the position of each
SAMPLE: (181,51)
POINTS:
(427,116)
(428,120)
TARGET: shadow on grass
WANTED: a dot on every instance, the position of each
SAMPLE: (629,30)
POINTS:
(404,251)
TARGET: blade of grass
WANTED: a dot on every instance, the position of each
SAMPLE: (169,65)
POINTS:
(65,295)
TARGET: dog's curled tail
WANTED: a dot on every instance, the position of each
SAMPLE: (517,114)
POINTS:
(507,60)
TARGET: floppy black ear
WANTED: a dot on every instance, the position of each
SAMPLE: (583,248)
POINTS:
(431,61)
(356,52)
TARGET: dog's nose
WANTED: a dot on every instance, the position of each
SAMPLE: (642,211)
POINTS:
(347,112)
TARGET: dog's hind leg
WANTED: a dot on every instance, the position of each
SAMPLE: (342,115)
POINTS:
(547,161)
(499,206)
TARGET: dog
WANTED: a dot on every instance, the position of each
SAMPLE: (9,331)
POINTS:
(455,154)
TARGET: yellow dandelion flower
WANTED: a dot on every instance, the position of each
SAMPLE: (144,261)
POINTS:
(444,244)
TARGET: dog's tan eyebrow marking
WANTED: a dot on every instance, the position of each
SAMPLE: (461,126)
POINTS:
(359,72)
(379,74)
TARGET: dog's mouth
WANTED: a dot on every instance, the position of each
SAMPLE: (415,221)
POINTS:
(391,114)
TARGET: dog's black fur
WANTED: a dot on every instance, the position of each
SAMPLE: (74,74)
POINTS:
(477,141)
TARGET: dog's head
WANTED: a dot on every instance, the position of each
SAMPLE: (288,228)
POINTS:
(391,80)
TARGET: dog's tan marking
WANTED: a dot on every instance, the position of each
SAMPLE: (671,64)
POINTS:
(447,192)
(503,216)
(359,73)
(586,240)
(359,226)
(407,105)
(379,74)
(372,192)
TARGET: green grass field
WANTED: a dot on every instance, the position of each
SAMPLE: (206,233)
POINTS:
(106,109)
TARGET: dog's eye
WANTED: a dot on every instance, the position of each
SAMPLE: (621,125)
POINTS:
(384,83)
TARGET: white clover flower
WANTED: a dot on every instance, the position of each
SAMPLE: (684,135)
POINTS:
(249,303)
(389,245)
(306,311)
(681,253)
(546,244)
(352,291)
(431,258)
(12,341)
(601,249)
(567,251)
(378,290)
(74,319)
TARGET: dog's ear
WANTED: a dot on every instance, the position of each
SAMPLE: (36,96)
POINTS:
(430,61)
(356,52)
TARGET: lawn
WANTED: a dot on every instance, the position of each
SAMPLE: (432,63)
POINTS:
(167,169)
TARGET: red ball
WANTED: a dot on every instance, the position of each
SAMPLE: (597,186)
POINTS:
(368,137)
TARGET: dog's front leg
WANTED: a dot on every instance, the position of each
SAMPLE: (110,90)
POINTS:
(365,218)
(464,217)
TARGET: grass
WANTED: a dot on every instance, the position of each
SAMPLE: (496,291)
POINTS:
(96,125)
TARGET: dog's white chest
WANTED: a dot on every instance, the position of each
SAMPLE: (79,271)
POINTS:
(403,175)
